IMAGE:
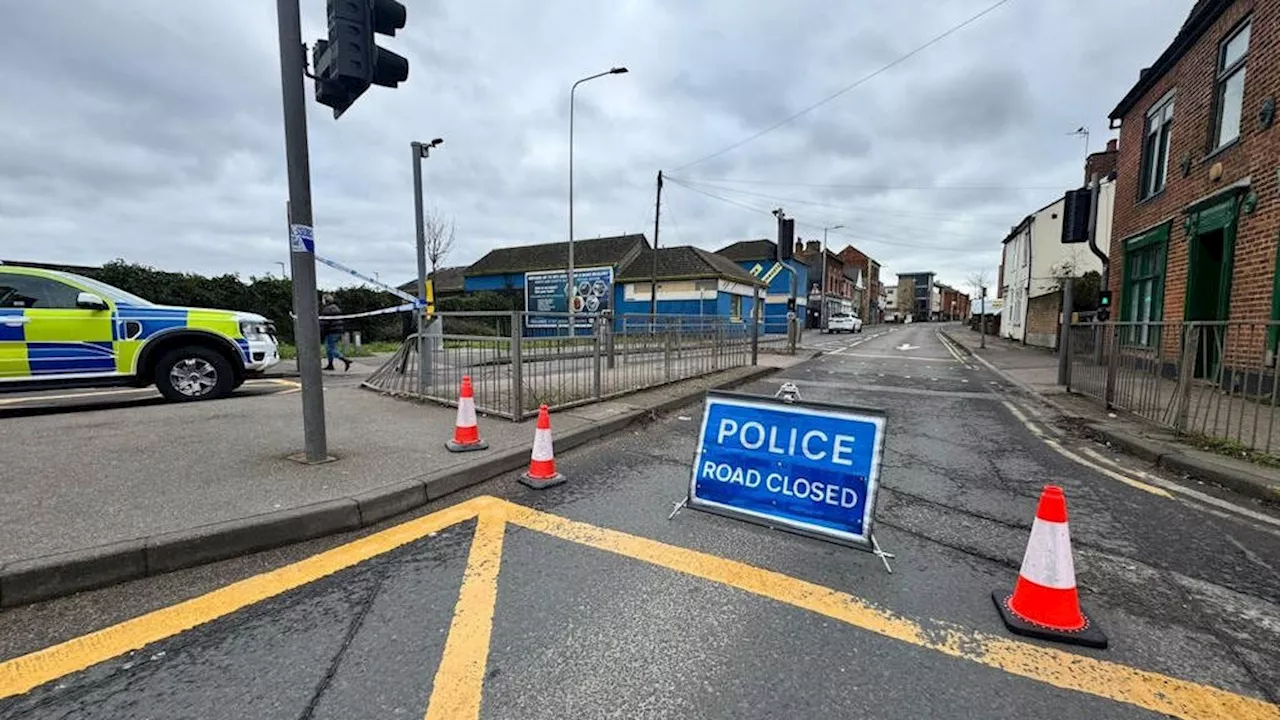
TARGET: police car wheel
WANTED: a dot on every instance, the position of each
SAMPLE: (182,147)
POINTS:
(194,373)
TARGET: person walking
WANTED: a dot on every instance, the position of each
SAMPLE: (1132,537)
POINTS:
(332,331)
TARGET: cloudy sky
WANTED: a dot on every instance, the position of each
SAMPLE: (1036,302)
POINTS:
(153,132)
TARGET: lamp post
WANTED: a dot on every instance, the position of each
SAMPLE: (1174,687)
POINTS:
(822,302)
(283,274)
(572,91)
(420,151)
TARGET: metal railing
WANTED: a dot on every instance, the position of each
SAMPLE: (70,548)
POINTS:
(518,361)
(1212,379)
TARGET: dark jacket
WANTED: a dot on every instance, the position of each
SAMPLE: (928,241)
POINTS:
(330,327)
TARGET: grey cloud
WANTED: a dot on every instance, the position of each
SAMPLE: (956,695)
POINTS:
(154,134)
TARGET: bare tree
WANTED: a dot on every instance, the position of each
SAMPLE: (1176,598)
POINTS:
(979,280)
(439,237)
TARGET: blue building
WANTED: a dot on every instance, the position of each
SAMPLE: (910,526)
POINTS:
(691,282)
(614,275)
(760,259)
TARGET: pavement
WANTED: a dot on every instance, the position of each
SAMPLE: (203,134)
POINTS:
(586,601)
(114,485)
(1036,371)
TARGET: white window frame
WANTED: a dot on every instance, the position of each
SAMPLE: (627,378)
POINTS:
(1225,74)
(1155,160)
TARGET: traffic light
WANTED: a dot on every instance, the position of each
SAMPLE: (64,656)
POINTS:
(1104,305)
(349,62)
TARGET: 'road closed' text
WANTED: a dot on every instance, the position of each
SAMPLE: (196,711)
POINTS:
(780,484)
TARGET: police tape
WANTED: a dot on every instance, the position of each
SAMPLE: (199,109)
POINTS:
(407,307)
(377,283)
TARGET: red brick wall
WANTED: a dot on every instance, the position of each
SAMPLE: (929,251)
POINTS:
(1256,155)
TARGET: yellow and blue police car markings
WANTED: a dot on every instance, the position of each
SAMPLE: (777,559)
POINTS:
(60,358)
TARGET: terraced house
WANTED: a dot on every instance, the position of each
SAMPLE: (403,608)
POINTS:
(1197,208)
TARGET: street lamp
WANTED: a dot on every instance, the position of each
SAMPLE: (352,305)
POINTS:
(572,91)
(420,151)
(283,274)
(822,307)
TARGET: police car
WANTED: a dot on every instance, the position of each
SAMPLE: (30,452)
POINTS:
(60,329)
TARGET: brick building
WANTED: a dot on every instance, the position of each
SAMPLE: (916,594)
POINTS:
(869,306)
(955,304)
(839,287)
(1197,210)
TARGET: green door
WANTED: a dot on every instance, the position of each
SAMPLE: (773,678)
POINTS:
(1210,259)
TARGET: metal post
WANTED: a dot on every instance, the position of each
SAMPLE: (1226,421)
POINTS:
(517,368)
(596,379)
(1064,335)
(1112,333)
(756,314)
(569,288)
(424,362)
(822,301)
(982,339)
(653,271)
(301,257)
(1186,373)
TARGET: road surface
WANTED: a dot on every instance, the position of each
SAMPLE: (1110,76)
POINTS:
(585,601)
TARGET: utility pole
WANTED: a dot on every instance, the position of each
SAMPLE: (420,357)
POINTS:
(653,277)
(301,235)
(420,151)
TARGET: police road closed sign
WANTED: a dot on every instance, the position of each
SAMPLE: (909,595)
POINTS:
(807,467)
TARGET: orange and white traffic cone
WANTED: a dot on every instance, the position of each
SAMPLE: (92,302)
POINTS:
(542,464)
(466,434)
(1045,603)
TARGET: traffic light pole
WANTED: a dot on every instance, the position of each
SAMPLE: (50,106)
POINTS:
(301,237)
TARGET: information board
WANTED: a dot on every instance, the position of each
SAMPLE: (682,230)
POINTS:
(811,468)
(547,292)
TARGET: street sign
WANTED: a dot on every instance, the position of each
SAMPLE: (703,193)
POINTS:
(548,292)
(810,468)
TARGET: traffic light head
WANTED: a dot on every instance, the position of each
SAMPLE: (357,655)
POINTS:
(1104,298)
(349,62)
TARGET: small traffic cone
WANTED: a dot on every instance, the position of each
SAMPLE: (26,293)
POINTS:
(1044,603)
(466,435)
(542,464)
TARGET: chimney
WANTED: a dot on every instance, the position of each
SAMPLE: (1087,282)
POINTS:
(811,246)
(1112,145)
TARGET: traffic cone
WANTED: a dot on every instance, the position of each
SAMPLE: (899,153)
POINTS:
(542,464)
(466,435)
(1044,603)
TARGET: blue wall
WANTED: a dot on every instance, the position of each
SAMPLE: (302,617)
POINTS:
(775,312)
(482,283)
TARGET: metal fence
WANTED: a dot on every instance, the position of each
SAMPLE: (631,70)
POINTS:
(518,360)
(1213,379)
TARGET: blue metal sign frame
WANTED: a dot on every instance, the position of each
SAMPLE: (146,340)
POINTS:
(756,454)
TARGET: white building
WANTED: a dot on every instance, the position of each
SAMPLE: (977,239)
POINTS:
(1034,262)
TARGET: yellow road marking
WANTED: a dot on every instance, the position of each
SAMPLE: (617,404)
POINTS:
(1113,681)
(1058,448)
(21,674)
(459,683)
(947,344)
(459,680)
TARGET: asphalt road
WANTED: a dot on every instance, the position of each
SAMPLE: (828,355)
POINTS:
(586,601)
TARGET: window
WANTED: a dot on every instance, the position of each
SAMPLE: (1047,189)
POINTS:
(1230,90)
(735,307)
(1155,148)
(29,291)
(1144,287)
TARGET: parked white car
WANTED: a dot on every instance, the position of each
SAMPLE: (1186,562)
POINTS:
(844,322)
